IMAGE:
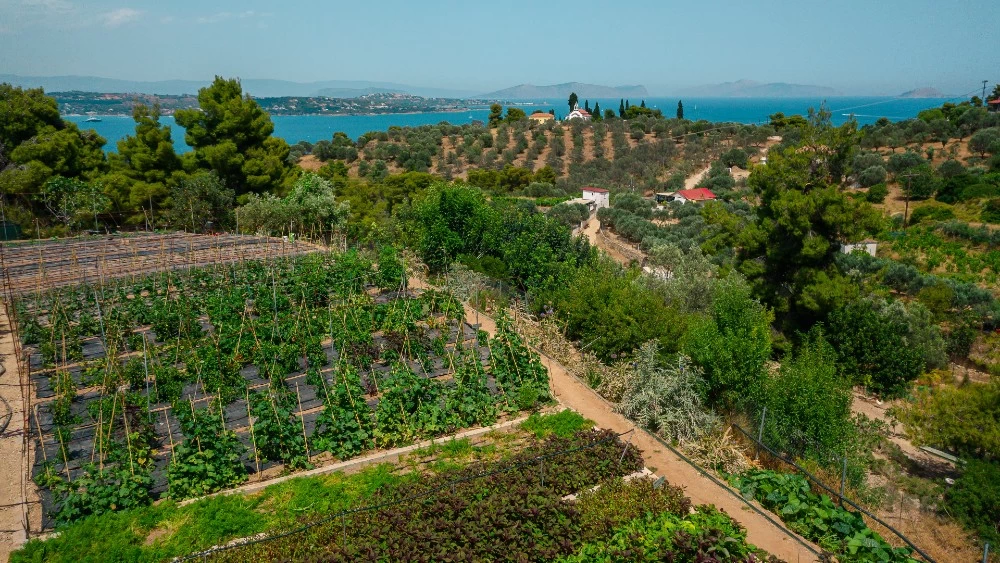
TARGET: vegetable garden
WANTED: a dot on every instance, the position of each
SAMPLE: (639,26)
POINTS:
(180,384)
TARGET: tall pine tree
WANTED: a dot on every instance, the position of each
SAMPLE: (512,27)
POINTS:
(626,104)
(621,108)
(680,109)
(597,110)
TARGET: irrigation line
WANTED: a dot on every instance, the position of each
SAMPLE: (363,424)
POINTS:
(390,503)
(834,493)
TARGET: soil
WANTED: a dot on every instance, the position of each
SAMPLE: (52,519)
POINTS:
(310,162)
(573,393)
(15,488)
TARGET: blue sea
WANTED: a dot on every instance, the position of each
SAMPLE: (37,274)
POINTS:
(313,128)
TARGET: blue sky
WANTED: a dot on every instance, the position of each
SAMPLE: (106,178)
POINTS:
(856,46)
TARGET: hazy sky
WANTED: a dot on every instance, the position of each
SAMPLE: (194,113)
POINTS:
(856,46)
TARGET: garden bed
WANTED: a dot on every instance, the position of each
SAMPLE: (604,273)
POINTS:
(180,384)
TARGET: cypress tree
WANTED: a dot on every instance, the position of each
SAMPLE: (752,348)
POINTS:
(621,108)
(643,104)
(597,109)
(680,109)
(626,104)
(586,105)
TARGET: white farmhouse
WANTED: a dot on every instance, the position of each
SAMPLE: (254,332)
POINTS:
(599,196)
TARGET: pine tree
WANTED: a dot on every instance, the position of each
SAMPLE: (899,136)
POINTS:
(586,105)
(573,99)
(680,109)
(621,109)
(626,104)
(597,110)
(643,104)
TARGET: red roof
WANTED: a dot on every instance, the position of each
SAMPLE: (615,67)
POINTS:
(697,194)
(597,190)
(996,101)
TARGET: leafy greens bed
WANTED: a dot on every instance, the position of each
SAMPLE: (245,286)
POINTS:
(520,514)
(817,518)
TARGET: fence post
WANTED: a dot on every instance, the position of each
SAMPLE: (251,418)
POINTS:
(843,480)
(760,431)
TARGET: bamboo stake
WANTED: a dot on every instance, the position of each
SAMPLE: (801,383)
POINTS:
(305,438)
(170,434)
(253,435)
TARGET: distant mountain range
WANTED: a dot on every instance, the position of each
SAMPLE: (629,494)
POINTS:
(922,93)
(257,87)
(532,92)
(752,89)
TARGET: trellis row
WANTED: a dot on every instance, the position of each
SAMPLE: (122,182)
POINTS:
(39,266)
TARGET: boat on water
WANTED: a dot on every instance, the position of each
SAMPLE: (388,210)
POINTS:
(92,118)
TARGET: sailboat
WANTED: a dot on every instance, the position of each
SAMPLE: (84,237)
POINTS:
(92,118)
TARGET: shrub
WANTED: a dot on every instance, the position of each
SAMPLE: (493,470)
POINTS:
(931,213)
(877,193)
(871,350)
(666,399)
(991,211)
(965,420)
(735,157)
(871,176)
(732,345)
(974,499)
(808,402)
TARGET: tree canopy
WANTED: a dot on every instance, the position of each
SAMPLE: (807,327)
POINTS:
(231,135)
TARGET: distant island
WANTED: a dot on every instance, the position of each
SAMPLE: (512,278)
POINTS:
(257,87)
(751,89)
(533,92)
(922,93)
(79,103)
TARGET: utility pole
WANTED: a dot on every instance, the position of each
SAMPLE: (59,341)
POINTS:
(984,90)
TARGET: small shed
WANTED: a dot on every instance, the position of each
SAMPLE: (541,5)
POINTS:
(867,246)
(600,196)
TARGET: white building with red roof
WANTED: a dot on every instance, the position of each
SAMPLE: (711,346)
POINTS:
(600,196)
(696,195)
(578,113)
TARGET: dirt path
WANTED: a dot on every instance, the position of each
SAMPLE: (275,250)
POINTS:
(590,231)
(692,181)
(13,487)
(876,411)
(574,394)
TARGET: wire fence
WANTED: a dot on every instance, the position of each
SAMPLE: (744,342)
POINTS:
(535,463)
(772,458)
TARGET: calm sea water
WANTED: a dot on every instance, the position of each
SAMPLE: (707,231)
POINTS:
(313,128)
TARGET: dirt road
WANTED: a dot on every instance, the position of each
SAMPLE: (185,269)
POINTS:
(591,232)
(692,181)
(574,394)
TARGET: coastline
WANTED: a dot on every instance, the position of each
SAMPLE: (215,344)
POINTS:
(346,114)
